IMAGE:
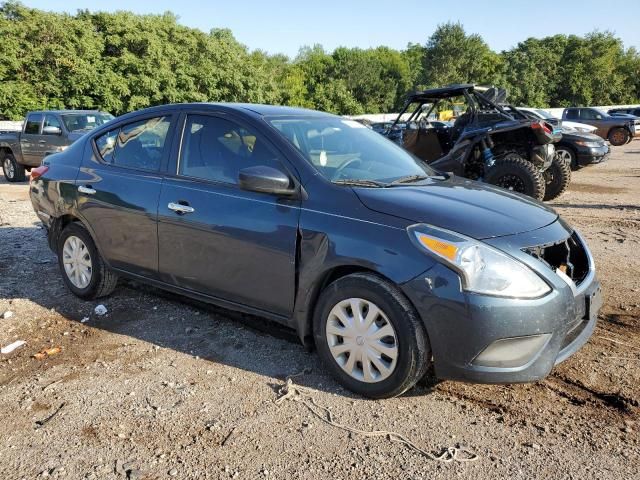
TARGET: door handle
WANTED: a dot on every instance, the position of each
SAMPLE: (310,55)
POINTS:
(87,190)
(179,208)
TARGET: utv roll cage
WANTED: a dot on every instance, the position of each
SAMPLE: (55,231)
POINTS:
(478,98)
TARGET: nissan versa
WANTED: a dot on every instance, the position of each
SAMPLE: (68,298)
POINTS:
(320,223)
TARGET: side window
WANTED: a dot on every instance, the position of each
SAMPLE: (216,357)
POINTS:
(33,123)
(217,149)
(573,114)
(589,114)
(106,144)
(136,145)
(51,121)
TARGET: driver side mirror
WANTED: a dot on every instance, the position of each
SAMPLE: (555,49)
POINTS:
(50,130)
(266,180)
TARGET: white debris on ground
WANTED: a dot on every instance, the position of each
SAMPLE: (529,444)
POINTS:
(100,310)
(84,320)
(12,346)
(7,314)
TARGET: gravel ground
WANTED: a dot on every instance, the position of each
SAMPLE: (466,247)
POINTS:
(161,387)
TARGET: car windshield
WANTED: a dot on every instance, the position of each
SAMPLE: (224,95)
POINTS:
(345,151)
(85,121)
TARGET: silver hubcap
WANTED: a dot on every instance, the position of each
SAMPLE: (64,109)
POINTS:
(362,340)
(76,261)
(564,155)
(8,167)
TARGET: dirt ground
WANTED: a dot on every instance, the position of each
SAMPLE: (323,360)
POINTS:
(160,387)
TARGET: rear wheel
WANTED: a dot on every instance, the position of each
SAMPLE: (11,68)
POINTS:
(83,270)
(370,337)
(512,172)
(618,136)
(557,178)
(13,171)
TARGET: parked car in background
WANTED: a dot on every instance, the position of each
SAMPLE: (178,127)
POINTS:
(635,111)
(44,133)
(618,130)
(577,148)
(544,115)
(319,223)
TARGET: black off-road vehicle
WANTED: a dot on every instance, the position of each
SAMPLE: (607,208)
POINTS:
(487,142)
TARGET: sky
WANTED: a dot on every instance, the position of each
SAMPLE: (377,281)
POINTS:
(283,26)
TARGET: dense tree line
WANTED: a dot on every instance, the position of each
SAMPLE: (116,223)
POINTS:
(122,61)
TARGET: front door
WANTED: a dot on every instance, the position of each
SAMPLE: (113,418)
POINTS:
(118,190)
(217,239)
(52,141)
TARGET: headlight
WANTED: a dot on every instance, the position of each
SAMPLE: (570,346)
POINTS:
(589,144)
(483,269)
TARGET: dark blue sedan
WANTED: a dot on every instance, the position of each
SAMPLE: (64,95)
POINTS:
(319,223)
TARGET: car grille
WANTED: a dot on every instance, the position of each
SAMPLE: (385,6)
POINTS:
(569,256)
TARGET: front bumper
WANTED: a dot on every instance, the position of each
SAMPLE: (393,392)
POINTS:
(461,325)
(589,155)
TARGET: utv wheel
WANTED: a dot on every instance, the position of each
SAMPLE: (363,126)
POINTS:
(568,156)
(557,178)
(13,171)
(83,270)
(618,136)
(370,337)
(513,172)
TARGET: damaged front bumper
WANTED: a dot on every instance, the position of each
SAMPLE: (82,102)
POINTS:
(484,339)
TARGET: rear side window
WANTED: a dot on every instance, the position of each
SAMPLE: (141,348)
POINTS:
(33,123)
(572,114)
(139,145)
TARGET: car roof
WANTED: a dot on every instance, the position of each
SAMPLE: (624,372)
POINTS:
(443,92)
(67,111)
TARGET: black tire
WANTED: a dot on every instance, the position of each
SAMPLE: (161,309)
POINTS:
(513,172)
(413,352)
(102,280)
(618,136)
(13,171)
(557,178)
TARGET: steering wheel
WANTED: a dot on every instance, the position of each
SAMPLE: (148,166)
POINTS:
(348,163)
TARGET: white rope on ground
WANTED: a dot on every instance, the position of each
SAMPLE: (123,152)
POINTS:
(297,393)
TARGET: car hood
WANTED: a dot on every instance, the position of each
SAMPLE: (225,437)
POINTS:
(584,136)
(474,209)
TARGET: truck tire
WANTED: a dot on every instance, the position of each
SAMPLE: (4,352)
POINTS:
(618,136)
(512,172)
(557,178)
(13,171)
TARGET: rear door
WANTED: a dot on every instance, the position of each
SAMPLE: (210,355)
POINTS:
(30,140)
(118,189)
(217,239)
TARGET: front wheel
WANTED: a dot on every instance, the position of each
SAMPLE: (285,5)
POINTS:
(13,171)
(83,270)
(557,178)
(618,136)
(370,337)
(513,172)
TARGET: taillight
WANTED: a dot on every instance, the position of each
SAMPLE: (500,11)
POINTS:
(542,126)
(38,172)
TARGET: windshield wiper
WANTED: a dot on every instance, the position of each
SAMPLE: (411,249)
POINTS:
(409,179)
(359,182)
